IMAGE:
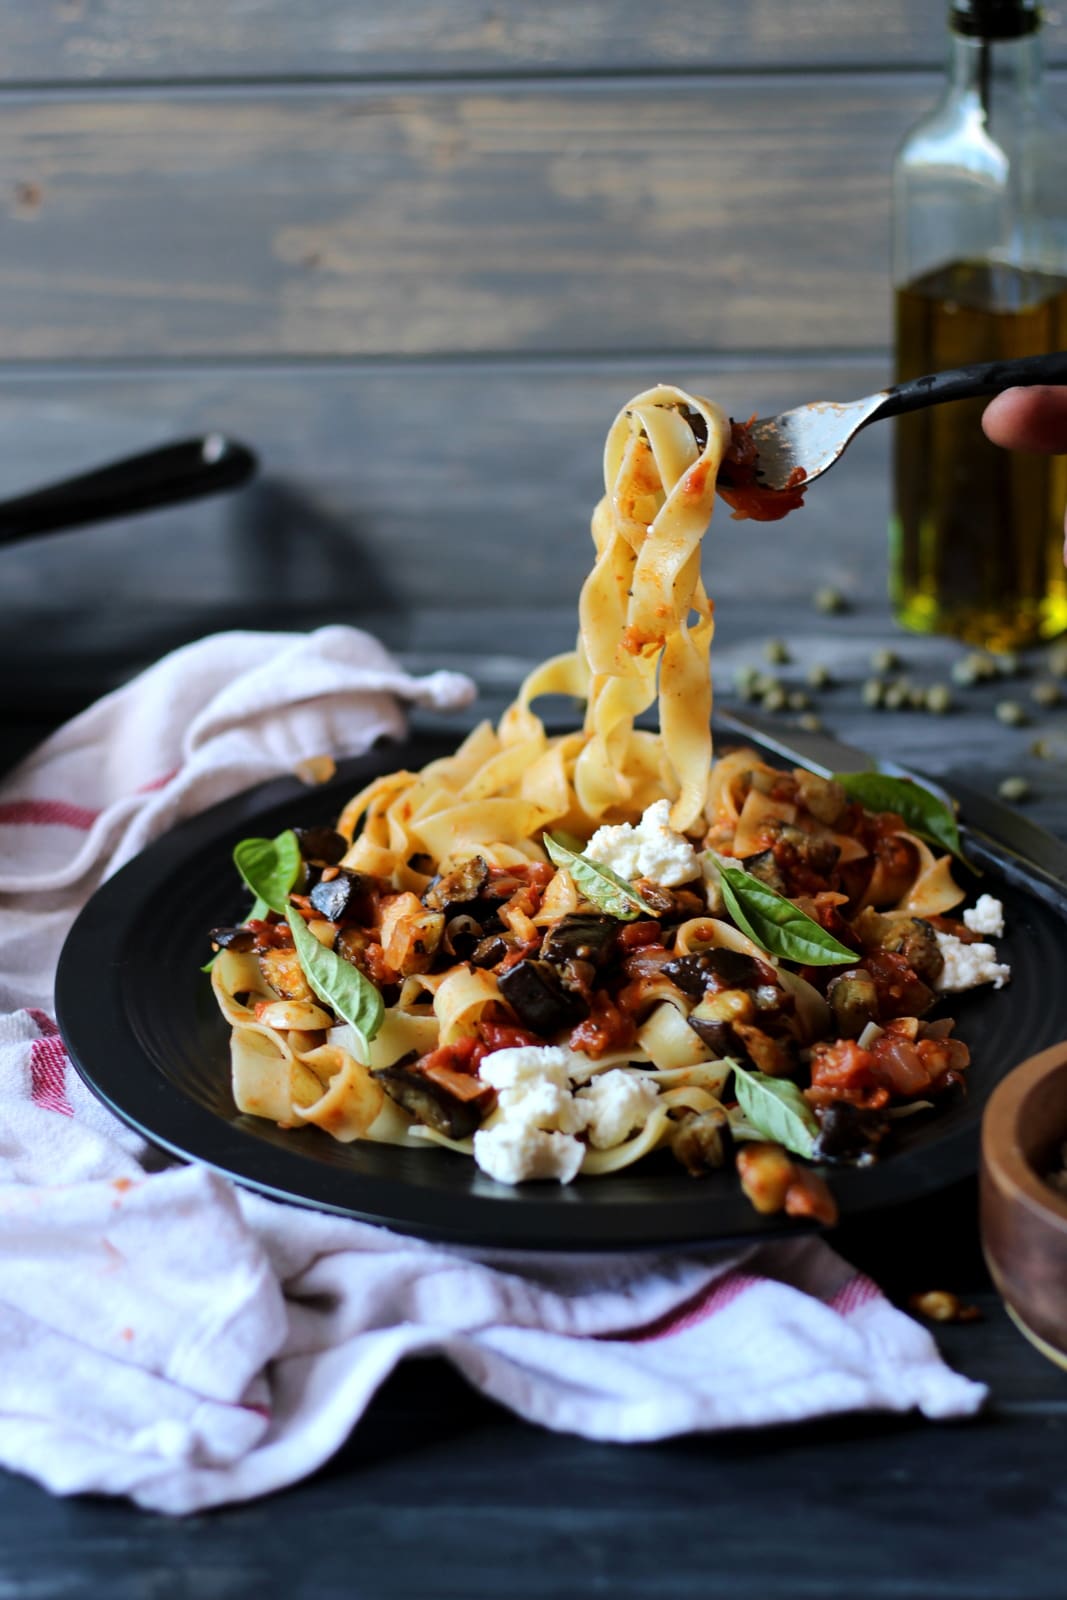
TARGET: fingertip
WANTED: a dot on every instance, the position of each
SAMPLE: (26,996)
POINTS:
(1028,419)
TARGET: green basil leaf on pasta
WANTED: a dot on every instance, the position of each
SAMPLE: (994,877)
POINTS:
(270,868)
(922,812)
(600,886)
(337,983)
(776,1107)
(775,923)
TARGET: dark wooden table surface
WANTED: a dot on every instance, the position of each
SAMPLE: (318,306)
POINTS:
(441,1493)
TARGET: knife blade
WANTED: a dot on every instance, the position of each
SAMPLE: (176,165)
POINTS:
(994,834)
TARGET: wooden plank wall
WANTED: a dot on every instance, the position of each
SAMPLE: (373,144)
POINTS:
(417,256)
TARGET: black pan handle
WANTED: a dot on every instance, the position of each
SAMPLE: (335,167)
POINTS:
(163,477)
(963,383)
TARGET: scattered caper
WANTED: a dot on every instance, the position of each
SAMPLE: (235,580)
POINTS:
(798,700)
(985,667)
(1011,713)
(829,600)
(1043,749)
(895,697)
(1046,694)
(1014,789)
(745,682)
(917,699)
(884,661)
(1006,664)
(818,676)
(810,722)
(873,693)
(775,699)
(963,672)
(764,683)
(938,699)
(776,652)
(1057,660)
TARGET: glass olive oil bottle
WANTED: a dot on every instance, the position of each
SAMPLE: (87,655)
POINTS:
(980,269)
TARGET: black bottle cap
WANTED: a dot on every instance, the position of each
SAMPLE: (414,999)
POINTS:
(995,19)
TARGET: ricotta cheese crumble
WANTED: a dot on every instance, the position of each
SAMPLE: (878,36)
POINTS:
(533,1132)
(651,850)
(986,917)
(969,965)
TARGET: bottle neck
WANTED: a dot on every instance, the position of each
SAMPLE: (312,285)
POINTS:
(989,70)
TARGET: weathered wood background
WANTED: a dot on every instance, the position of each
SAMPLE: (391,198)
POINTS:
(417,255)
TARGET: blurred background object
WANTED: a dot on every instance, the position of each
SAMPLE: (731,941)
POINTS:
(416,257)
(980,268)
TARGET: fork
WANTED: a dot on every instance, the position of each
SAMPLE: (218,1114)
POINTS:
(814,436)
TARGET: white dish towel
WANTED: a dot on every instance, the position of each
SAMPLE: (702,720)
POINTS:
(167,1336)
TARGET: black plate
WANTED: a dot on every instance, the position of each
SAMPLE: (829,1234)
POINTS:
(141,1025)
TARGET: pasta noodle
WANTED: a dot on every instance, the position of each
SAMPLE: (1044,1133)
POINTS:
(532,952)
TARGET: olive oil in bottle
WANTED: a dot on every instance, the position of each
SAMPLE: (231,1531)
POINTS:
(980,272)
(977,532)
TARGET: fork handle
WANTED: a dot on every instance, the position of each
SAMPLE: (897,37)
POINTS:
(962,383)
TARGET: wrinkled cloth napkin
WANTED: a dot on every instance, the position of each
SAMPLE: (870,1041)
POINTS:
(167,1336)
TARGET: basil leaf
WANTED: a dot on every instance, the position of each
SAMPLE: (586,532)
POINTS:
(602,887)
(270,868)
(776,924)
(923,813)
(337,983)
(778,1109)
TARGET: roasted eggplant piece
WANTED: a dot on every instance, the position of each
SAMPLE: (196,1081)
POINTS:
(718,1036)
(916,941)
(703,1142)
(911,937)
(764,867)
(822,798)
(715,969)
(535,993)
(580,937)
(351,942)
(659,900)
(796,848)
(333,898)
(849,1135)
(240,939)
(321,844)
(493,949)
(853,998)
(456,888)
(430,1102)
(283,972)
(776,1057)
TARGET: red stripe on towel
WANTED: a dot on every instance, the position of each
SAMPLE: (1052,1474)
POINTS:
(47,813)
(45,1025)
(159,783)
(858,1291)
(48,1071)
(714,1297)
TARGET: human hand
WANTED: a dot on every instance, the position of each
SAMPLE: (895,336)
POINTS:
(1030,420)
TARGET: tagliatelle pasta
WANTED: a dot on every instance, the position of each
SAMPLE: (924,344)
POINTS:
(489,982)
